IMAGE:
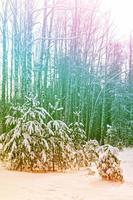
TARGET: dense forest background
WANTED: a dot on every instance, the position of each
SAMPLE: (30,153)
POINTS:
(65,53)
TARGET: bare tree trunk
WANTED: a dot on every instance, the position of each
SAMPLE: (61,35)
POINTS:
(4,62)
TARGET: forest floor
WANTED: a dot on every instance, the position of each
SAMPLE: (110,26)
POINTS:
(74,185)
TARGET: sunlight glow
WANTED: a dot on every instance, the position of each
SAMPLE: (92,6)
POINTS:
(122,14)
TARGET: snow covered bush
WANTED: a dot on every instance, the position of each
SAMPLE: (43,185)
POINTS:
(62,146)
(90,150)
(26,143)
(77,134)
(87,154)
(111,135)
(113,138)
(109,164)
(31,144)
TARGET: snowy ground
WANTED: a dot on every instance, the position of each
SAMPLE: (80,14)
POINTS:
(77,185)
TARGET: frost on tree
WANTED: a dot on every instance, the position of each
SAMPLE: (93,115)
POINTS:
(87,154)
(109,164)
(26,144)
(32,143)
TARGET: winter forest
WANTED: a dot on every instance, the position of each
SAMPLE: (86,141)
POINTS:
(66,89)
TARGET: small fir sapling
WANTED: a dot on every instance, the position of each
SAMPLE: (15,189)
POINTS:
(112,137)
(109,164)
(90,151)
(62,145)
(87,154)
(26,143)
(78,134)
